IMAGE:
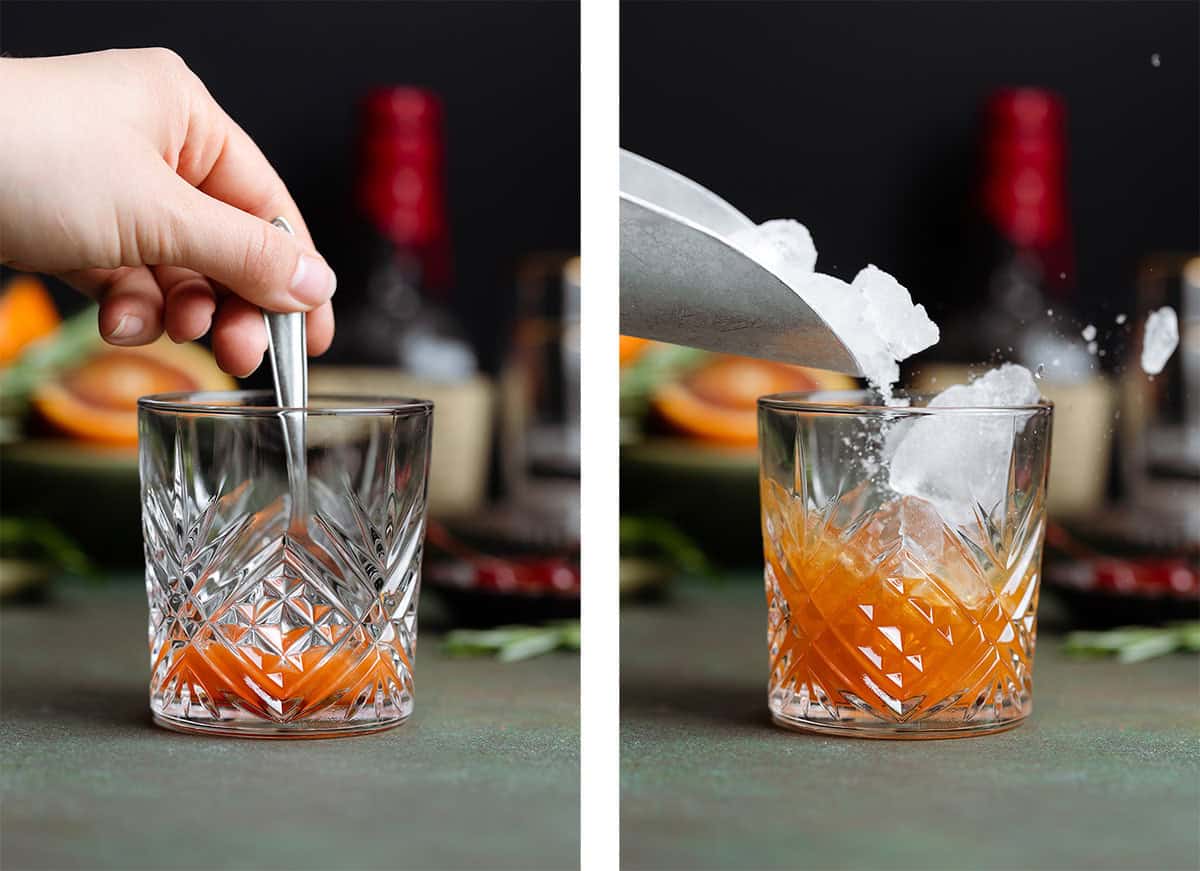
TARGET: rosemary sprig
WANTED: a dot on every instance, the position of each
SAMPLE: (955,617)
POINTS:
(1136,643)
(513,643)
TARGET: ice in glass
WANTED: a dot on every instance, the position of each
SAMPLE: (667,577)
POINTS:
(902,556)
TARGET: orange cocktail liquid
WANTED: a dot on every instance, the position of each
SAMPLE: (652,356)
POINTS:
(287,686)
(868,626)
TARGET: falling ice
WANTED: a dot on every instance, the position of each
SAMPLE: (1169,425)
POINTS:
(1160,339)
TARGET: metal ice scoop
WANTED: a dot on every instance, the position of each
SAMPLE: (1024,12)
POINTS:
(286,346)
(681,282)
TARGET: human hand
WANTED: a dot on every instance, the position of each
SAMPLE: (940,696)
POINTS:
(124,177)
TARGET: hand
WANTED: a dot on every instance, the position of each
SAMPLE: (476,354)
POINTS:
(123,176)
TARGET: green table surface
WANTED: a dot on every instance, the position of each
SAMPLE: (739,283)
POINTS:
(1104,774)
(484,775)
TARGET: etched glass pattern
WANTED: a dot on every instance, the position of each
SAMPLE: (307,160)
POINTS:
(885,619)
(261,629)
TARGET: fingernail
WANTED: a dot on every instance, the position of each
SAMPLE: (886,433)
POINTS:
(128,325)
(313,282)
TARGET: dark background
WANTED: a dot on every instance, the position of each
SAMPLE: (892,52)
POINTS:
(291,74)
(861,120)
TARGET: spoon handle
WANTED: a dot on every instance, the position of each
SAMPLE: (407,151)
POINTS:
(286,346)
(286,341)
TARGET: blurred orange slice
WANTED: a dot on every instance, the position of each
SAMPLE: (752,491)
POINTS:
(26,314)
(718,401)
(97,400)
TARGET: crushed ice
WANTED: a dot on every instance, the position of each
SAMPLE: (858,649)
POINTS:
(783,246)
(949,462)
(874,315)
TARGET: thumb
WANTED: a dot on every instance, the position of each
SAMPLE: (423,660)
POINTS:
(255,260)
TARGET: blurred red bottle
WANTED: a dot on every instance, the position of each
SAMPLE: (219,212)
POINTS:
(403,318)
(400,185)
(1020,255)
(1024,186)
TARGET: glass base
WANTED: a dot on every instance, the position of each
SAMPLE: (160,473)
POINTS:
(276,731)
(895,731)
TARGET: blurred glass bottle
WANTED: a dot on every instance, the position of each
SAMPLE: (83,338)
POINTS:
(1019,265)
(403,317)
(1020,249)
(396,333)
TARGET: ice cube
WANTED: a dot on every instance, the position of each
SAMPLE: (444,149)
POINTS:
(1004,387)
(905,528)
(905,328)
(1160,339)
(783,246)
(915,547)
(831,298)
(1089,333)
(834,301)
(922,532)
(874,317)
(842,307)
(959,461)
(955,462)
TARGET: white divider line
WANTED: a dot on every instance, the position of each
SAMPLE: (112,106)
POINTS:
(599,672)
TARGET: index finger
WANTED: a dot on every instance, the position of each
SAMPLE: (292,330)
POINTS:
(234,170)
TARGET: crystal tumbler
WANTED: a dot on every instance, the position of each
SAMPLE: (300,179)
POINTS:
(903,548)
(267,624)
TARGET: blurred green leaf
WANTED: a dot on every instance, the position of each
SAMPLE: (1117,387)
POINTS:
(1148,648)
(659,364)
(1136,643)
(1189,635)
(34,538)
(513,643)
(655,538)
(527,648)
